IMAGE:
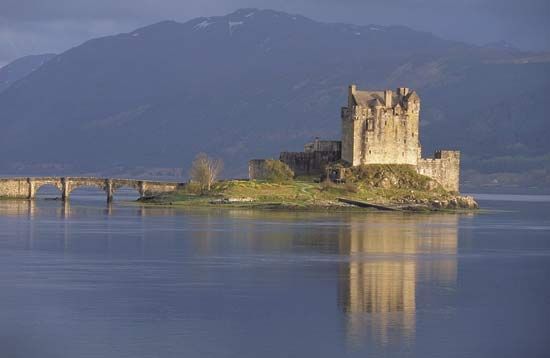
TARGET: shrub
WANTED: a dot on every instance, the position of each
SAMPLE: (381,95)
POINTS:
(326,185)
(205,171)
(277,171)
(193,188)
(351,187)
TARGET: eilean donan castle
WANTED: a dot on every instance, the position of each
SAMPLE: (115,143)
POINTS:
(378,127)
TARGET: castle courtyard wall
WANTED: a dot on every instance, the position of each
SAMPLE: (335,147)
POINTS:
(309,163)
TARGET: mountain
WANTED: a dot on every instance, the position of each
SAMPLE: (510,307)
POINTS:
(256,82)
(20,68)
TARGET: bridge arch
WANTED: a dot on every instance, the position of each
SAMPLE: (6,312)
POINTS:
(86,191)
(36,184)
(44,190)
(72,184)
(128,183)
(122,186)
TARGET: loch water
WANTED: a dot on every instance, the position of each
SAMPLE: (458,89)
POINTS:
(87,279)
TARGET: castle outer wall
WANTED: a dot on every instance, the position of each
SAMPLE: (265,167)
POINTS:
(444,167)
(315,157)
(309,163)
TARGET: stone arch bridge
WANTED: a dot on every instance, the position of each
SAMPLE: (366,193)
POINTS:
(27,188)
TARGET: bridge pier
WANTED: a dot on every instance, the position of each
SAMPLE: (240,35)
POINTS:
(32,189)
(141,189)
(110,190)
(66,191)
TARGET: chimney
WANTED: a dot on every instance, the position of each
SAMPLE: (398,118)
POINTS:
(387,98)
(403,91)
(351,92)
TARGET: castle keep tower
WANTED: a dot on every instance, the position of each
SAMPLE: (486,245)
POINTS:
(381,127)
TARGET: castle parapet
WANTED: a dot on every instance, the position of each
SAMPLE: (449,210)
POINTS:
(323,146)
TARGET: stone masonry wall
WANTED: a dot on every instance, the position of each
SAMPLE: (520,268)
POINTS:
(14,188)
(444,167)
(381,131)
(323,146)
(310,163)
(391,138)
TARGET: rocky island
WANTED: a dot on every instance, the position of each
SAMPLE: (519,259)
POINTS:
(380,187)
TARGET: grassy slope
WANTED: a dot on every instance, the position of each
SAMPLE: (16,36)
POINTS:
(376,184)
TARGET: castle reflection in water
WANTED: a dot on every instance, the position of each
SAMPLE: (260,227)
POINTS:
(382,258)
(387,259)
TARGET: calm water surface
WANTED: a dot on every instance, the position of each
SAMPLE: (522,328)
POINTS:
(90,280)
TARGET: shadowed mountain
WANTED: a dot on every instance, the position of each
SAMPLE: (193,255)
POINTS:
(253,83)
(20,68)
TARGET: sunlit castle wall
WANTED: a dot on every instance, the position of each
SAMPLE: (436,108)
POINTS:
(381,127)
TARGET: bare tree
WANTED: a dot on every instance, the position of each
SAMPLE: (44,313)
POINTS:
(205,171)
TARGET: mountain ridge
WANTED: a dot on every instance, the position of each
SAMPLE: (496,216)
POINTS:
(20,68)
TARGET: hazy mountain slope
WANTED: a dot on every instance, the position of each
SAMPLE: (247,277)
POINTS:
(20,68)
(253,83)
(495,109)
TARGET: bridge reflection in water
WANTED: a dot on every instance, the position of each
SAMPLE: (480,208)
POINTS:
(388,257)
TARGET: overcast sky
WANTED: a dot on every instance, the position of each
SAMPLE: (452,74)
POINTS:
(40,26)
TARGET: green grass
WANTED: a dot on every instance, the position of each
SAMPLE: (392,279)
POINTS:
(295,194)
(391,185)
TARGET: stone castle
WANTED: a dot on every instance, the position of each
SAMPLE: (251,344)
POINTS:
(378,127)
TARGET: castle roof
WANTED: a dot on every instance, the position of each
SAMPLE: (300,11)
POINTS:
(373,98)
(368,98)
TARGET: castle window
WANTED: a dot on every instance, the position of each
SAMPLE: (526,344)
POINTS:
(405,141)
(403,153)
(370,124)
(369,152)
(413,135)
